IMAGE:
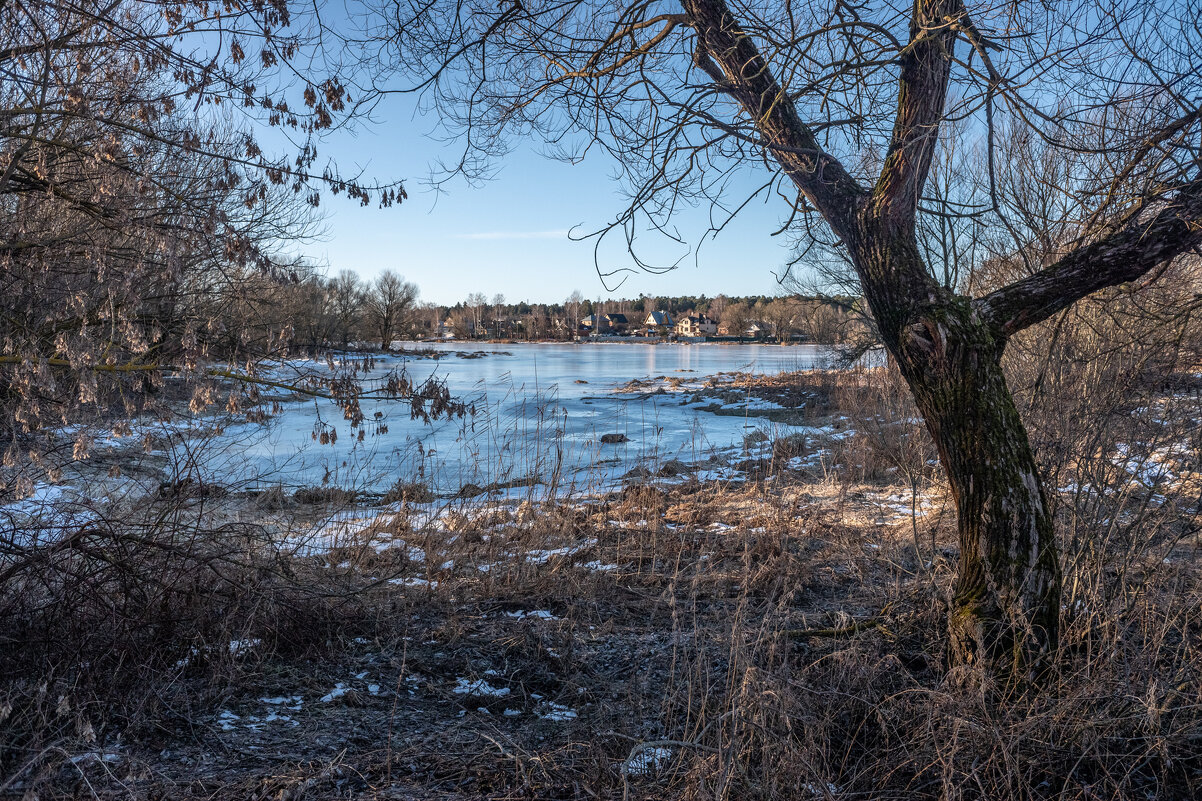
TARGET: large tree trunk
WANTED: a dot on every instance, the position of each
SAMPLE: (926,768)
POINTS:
(1006,604)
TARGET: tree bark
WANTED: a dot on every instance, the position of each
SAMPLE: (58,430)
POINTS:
(1006,603)
(1005,607)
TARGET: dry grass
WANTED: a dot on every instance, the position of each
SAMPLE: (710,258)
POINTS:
(780,638)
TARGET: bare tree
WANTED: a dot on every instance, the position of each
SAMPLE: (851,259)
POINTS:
(572,306)
(781,314)
(347,291)
(845,109)
(312,311)
(718,306)
(819,321)
(139,206)
(476,303)
(462,324)
(388,304)
(498,312)
(735,318)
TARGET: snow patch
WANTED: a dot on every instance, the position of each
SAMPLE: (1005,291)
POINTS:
(647,760)
(540,614)
(339,690)
(478,687)
(557,712)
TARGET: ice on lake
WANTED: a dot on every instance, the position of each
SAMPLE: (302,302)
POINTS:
(540,411)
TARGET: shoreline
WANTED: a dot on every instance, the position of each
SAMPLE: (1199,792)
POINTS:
(619,340)
(797,399)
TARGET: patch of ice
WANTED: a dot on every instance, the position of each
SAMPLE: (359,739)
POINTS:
(413,582)
(52,512)
(291,701)
(719,474)
(180,664)
(557,712)
(478,687)
(541,614)
(339,690)
(647,760)
(96,756)
(238,647)
(752,404)
(541,557)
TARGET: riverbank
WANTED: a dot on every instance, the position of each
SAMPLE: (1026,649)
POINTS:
(541,415)
(622,339)
(780,625)
(629,646)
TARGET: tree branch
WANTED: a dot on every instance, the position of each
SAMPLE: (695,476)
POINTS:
(926,65)
(1140,245)
(745,76)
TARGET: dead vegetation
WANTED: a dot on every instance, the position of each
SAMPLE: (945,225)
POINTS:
(777,636)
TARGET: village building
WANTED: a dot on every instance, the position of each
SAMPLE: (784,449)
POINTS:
(753,329)
(615,323)
(658,323)
(696,326)
(607,323)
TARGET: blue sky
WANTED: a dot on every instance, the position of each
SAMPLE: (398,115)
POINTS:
(509,235)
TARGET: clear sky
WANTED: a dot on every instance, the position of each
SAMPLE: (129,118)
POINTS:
(509,235)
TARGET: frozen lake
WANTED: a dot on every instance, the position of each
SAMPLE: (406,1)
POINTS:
(534,418)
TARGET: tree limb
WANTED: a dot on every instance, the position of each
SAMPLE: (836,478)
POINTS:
(1139,246)
(926,65)
(850,630)
(721,43)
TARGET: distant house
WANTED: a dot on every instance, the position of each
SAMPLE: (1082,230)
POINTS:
(615,323)
(604,324)
(501,325)
(658,322)
(756,330)
(753,329)
(696,326)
